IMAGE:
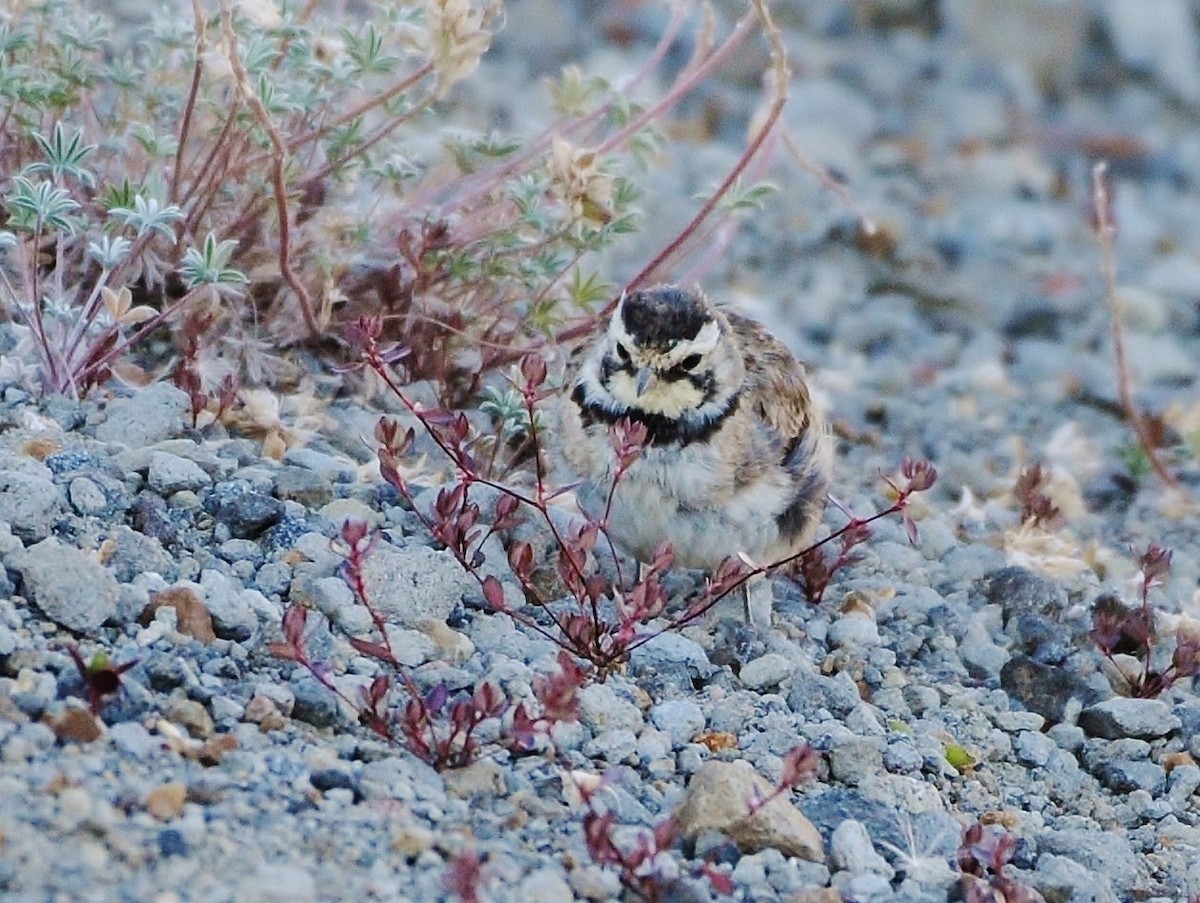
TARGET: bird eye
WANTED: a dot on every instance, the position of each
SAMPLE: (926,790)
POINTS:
(691,362)
(622,353)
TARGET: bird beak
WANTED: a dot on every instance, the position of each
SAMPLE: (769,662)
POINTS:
(645,380)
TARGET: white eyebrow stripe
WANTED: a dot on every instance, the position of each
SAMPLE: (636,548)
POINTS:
(706,339)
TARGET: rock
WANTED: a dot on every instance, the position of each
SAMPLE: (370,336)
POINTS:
(1058,878)
(851,850)
(314,703)
(414,584)
(983,658)
(312,490)
(1032,748)
(155,413)
(77,726)
(245,511)
(1162,45)
(169,474)
(192,716)
(135,553)
(853,759)
(765,671)
(165,801)
(1041,688)
(810,692)
(67,585)
(332,468)
(545,885)
(681,719)
(193,618)
(1107,855)
(1121,717)
(29,504)
(233,616)
(670,661)
(718,798)
(601,709)
(853,631)
(279,882)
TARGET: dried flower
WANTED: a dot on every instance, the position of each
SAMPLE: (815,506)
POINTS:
(580,183)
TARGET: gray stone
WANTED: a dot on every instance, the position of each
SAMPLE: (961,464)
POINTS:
(1162,45)
(983,658)
(765,671)
(1042,688)
(902,757)
(135,553)
(1106,854)
(245,511)
(1124,717)
(333,469)
(811,692)
(681,719)
(69,586)
(30,504)
(413,585)
(850,849)
(304,486)
(85,496)
(1033,748)
(1123,776)
(232,614)
(314,703)
(670,661)
(853,632)
(601,709)
(852,760)
(1058,878)
(169,474)
(155,413)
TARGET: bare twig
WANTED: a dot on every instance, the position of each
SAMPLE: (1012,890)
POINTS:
(279,157)
(1106,231)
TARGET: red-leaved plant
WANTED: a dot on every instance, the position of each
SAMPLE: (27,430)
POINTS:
(983,860)
(437,727)
(606,620)
(1119,630)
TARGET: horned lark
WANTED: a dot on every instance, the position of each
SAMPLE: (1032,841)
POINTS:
(737,458)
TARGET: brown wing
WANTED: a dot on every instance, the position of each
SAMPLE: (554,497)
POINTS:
(775,387)
(776,390)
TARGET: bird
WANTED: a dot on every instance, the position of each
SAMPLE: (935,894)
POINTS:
(737,457)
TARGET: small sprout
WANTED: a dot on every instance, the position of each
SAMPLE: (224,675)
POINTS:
(100,677)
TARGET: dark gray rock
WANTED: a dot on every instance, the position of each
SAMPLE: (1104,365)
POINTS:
(307,487)
(135,553)
(1042,688)
(246,512)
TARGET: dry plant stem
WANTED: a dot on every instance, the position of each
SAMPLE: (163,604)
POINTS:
(680,244)
(278,163)
(1105,236)
(830,183)
(483,184)
(189,107)
(539,503)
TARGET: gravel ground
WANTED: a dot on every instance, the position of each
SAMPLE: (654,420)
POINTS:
(942,685)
